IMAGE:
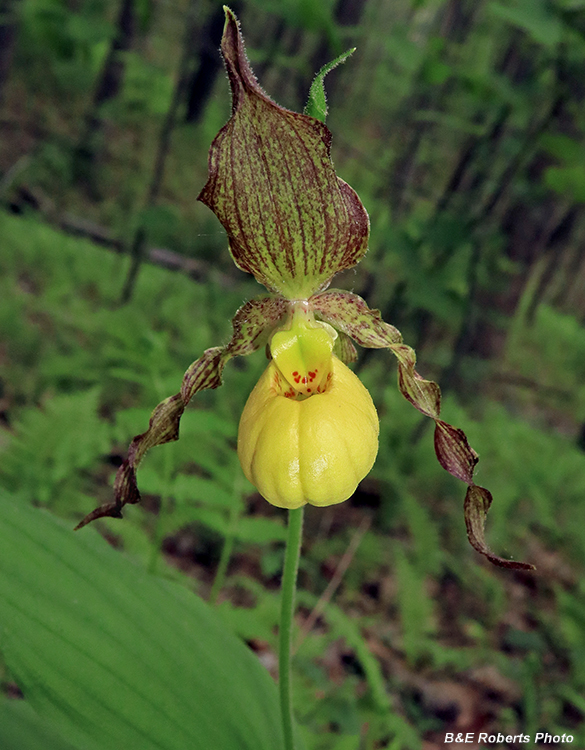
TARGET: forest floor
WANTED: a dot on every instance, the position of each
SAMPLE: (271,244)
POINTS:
(402,631)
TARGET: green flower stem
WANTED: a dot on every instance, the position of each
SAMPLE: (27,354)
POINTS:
(287,608)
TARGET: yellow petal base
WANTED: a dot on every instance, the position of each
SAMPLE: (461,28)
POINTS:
(315,450)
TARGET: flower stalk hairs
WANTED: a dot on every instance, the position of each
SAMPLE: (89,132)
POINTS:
(309,432)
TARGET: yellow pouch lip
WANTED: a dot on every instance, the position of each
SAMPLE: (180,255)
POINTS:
(314,450)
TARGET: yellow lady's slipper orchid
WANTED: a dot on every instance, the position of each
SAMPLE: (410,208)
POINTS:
(308,449)
(309,432)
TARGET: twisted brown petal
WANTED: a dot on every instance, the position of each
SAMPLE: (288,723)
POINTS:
(252,325)
(350,314)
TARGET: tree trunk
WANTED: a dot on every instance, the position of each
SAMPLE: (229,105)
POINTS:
(558,239)
(8,31)
(107,87)
(140,238)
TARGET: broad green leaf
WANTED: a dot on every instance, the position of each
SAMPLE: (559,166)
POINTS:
(118,659)
(21,729)
(317,104)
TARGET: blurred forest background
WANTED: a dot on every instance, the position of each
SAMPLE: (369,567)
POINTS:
(461,124)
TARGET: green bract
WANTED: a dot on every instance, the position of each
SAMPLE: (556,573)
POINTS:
(294,224)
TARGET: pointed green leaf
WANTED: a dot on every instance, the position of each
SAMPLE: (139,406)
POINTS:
(252,325)
(289,219)
(117,659)
(317,104)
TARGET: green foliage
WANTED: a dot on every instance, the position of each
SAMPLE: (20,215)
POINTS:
(73,360)
(147,88)
(415,609)
(536,17)
(341,711)
(72,43)
(568,181)
(431,96)
(50,444)
(21,728)
(304,13)
(53,449)
(258,621)
(117,659)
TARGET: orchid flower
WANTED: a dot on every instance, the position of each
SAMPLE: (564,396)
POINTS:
(309,431)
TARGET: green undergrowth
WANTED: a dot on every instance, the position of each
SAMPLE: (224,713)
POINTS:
(416,609)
